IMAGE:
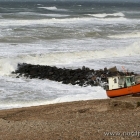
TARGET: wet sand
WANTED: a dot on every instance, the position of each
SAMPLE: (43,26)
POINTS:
(82,120)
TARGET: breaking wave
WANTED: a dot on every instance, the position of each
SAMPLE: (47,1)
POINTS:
(7,65)
(107,15)
(25,22)
(128,35)
(31,95)
(38,14)
(53,8)
(26,14)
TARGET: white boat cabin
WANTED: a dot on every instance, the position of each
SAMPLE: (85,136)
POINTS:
(116,82)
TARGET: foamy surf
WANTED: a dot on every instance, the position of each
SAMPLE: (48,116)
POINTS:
(39,95)
(67,58)
(38,14)
(53,8)
(126,35)
(66,21)
(103,15)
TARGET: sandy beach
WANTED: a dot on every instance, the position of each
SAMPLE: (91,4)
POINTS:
(116,118)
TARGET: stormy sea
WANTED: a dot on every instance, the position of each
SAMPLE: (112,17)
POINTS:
(66,34)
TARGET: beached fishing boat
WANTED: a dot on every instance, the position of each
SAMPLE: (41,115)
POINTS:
(122,85)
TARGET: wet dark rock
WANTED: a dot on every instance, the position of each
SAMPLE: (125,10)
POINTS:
(81,77)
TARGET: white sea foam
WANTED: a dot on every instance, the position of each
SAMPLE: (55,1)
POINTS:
(49,8)
(71,57)
(64,58)
(26,93)
(55,15)
(53,8)
(52,21)
(128,35)
(38,14)
(122,20)
(26,13)
(105,15)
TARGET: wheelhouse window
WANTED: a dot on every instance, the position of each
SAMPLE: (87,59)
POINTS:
(115,80)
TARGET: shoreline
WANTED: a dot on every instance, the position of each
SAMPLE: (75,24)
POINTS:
(80,120)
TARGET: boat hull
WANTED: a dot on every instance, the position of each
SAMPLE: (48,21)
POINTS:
(123,91)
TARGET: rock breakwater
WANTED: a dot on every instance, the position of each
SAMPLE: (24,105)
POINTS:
(81,76)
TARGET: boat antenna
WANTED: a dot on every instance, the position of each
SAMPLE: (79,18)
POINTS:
(124,69)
